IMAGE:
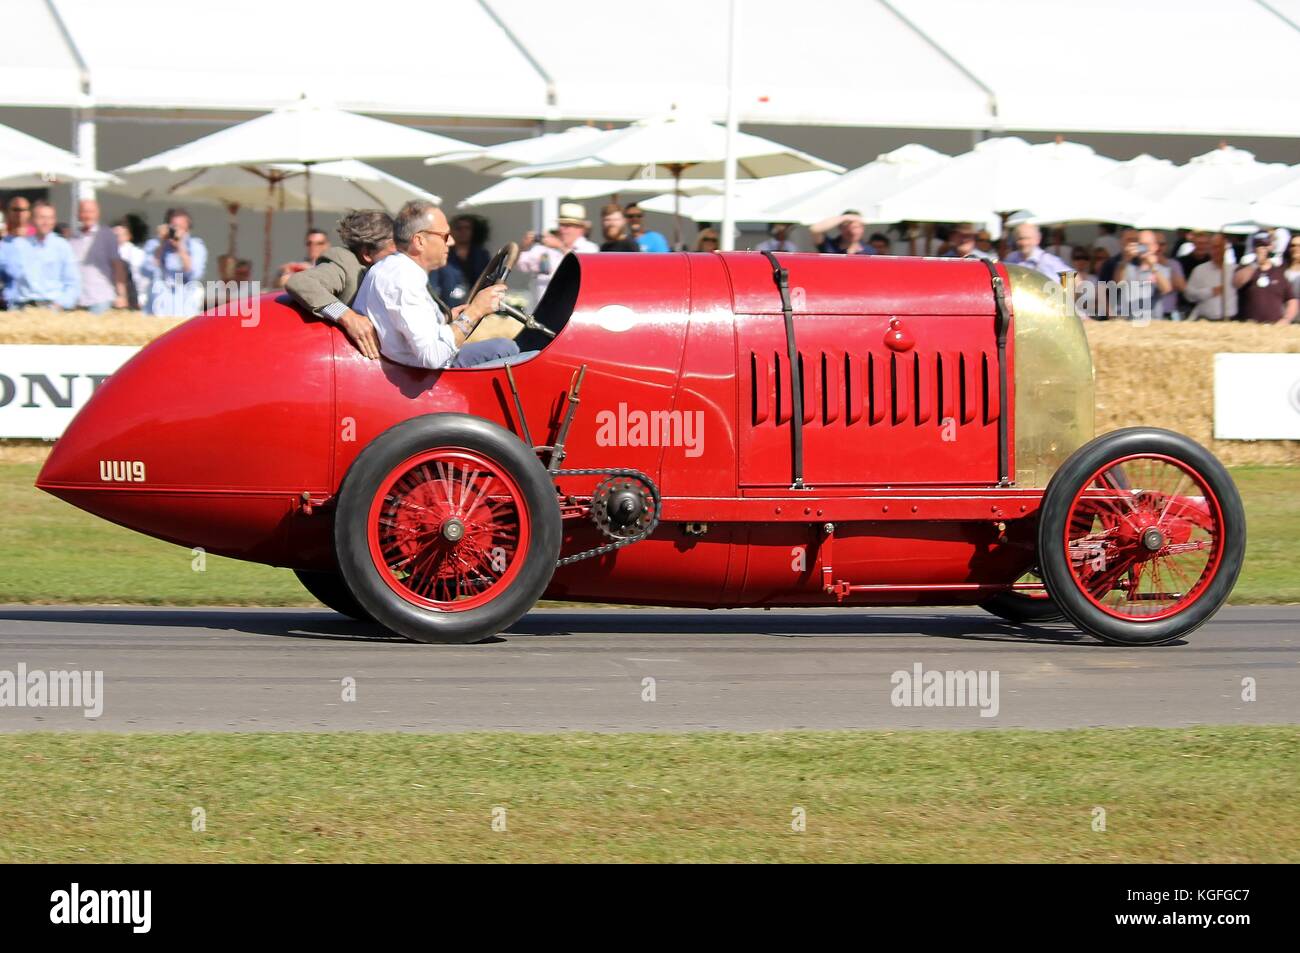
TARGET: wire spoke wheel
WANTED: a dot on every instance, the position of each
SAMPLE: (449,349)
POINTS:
(448,529)
(1141,536)
(1144,537)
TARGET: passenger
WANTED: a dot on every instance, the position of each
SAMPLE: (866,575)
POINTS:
(413,328)
(327,288)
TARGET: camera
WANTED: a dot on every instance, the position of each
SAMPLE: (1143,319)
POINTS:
(171,233)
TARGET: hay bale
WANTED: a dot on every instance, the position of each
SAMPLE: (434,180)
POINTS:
(1162,375)
(38,326)
(24,451)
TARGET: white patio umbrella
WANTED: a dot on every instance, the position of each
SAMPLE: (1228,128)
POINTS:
(304,134)
(28,162)
(1193,197)
(676,146)
(1143,174)
(335,186)
(506,156)
(751,201)
(860,187)
(1272,199)
(536,190)
(1052,182)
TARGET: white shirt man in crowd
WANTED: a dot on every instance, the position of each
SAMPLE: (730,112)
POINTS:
(540,257)
(103,273)
(778,238)
(413,328)
(1205,287)
(1029,238)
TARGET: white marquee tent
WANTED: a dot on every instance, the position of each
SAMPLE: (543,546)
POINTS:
(940,64)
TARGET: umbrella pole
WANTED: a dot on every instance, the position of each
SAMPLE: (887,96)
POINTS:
(311,223)
(1223,279)
(233,228)
(677,215)
(266,233)
(677,206)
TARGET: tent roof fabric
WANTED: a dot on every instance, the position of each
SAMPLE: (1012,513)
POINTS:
(939,64)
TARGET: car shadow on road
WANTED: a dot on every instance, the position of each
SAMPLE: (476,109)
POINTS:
(324,625)
(797,625)
(320,624)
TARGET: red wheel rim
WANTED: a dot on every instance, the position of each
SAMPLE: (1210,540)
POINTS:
(1144,537)
(448,529)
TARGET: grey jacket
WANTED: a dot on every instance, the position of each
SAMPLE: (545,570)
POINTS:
(335,278)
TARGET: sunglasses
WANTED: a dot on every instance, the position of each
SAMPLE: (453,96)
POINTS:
(431,231)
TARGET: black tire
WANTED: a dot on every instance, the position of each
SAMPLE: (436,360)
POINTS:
(1054,560)
(330,589)
(351,540)
(1022,608)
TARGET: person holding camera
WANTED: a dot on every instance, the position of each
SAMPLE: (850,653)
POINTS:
(174,263)
(1150,279)
(1266,295)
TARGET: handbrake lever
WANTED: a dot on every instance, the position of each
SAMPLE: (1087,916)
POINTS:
(524,318)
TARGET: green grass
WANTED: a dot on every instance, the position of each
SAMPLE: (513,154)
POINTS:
(53,552)
(1170,795)
(1272,569)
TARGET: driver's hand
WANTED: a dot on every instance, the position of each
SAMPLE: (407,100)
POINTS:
(361,332)
(487,301)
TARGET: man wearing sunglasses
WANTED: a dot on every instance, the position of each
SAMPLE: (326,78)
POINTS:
(647,241)
(413,328)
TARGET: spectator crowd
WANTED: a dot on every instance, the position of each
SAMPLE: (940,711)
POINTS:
(1119,273)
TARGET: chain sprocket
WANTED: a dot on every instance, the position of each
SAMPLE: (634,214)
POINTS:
(615,478)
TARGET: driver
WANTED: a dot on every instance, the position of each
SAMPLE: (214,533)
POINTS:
(410,324)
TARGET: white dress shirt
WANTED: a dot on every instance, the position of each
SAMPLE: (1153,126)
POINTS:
(395,296)
(1204,279)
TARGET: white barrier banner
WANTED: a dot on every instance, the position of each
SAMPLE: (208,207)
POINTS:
(42,386)
(1257,396)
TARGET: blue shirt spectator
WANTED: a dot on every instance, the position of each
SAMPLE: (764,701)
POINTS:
(40,269)
(174,263)
(646,241)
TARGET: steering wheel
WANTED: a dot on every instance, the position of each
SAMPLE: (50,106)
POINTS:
(497,271)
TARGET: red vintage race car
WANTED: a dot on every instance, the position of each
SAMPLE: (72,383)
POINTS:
(680,429)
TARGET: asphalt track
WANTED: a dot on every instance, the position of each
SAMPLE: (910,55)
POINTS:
(585,669)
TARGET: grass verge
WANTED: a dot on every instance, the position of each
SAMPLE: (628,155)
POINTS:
(1229,794)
